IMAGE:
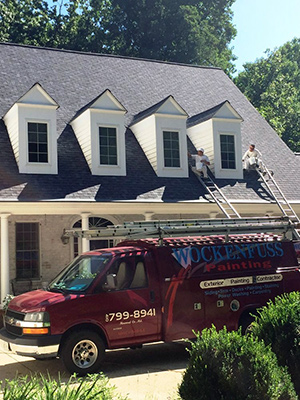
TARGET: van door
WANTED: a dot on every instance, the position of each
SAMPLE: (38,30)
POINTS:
(131,304)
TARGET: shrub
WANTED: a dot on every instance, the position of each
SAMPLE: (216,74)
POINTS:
(278,325)
(229,366)
(44,388)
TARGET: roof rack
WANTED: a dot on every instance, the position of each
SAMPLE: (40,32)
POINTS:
(191,227)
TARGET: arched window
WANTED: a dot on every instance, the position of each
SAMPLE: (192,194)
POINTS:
(94,223)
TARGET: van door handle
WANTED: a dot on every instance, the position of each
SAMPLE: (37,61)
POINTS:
(152,296)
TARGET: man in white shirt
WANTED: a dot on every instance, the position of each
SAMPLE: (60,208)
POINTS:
(251,157)
(201,161)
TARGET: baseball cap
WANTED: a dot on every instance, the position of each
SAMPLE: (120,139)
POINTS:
(201,149)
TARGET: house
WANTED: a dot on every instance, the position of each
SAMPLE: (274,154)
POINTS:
(90,140)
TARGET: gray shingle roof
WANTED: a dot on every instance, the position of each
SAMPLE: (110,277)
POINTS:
(75,79)
(151,110)
(203,116)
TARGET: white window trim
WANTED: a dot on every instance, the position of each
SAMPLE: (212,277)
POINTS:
(163,150)
(235,152)
(116,127)
(38,121)
(171,172)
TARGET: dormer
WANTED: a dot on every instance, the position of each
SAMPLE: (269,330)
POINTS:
(31,126)
(100,131)
(218,131)
(161,133)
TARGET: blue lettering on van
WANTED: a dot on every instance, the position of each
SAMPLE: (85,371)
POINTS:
(195,254)
(192,255)
(183,256)
(206,254)
(279,249)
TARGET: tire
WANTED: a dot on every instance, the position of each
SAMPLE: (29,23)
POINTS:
(245,323)
(82,352)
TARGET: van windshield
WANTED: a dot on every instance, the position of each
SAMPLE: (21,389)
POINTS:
(79,275)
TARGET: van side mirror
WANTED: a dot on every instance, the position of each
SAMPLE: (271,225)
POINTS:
(111,282)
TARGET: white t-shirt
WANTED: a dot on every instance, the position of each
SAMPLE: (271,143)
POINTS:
(255,153)
(199,160)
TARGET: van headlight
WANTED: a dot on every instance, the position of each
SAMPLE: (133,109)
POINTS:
(36,323)
(37,317)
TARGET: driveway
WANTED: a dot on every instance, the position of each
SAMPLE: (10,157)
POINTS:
(151,373)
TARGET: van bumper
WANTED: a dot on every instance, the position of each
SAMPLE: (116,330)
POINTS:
(36,346)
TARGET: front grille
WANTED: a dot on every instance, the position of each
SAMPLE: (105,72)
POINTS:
(16,315)
(14,330)
(10,327)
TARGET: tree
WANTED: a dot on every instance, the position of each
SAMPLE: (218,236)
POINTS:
(188,31)
(24,21)
(272,84)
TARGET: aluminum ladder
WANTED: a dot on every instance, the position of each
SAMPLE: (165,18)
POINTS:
(190,227)
(217,196)
(282,202)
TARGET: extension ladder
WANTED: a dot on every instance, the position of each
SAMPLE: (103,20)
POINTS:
(282,202)
(191,227)
(217,196)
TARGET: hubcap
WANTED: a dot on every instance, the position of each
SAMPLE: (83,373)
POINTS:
(85,354)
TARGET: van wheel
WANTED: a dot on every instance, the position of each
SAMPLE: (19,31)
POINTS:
(245,323)
(83,352)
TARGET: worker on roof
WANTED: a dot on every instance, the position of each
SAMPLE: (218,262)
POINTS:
(201,161)
(251,158)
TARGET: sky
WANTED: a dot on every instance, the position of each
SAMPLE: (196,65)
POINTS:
(262,25)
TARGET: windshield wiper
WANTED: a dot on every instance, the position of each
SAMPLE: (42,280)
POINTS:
(57,290)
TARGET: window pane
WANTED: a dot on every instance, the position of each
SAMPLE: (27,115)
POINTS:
(32,147)
(33,157)
(104,160)
(43,158)
(43,138)
(171,149)
(42,148)
(32,127)
(32,137)
(103,140)
(27,250)
(108,146)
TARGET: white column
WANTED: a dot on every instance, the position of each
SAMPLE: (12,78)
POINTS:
(213,214)
(85,227)
(148,215)
(5,287)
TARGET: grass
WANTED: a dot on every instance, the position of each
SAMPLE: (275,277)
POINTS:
(39,387)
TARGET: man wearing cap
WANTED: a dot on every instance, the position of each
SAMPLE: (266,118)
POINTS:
(201,161)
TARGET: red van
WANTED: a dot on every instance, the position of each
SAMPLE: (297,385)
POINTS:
(150,290)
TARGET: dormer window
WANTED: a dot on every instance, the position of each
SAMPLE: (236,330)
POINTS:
(218,131)
(37,142)
(161,133)
(31,126)
(100,131)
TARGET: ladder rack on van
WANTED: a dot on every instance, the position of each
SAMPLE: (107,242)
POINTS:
(191,227)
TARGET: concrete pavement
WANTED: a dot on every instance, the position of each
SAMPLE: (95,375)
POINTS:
(151,373)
